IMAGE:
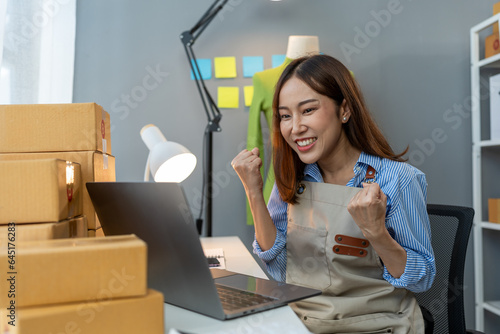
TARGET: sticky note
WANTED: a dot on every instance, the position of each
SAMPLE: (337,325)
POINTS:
(248,92)
(225,67)
(277,60)
(228,97)
(205,66)
(252,65)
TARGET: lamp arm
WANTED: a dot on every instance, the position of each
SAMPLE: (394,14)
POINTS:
(147,170)
(188,38)
(205,20)
(200,83)
(214,116)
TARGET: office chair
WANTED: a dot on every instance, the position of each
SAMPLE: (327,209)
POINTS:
(443,305)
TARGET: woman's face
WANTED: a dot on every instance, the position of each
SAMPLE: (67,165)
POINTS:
(310,122)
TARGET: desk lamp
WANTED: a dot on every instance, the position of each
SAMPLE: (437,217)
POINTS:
(167,161)
(188,38)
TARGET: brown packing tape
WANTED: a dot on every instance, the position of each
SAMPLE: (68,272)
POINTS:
(93,169)
(54,128)
(96,316)
(39,190)
(76,270)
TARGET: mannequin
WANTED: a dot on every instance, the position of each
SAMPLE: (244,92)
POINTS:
(263,83)
(299,46)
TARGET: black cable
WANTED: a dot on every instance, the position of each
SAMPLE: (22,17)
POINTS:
(204,153)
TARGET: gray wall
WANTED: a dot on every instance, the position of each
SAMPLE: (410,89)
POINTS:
(413,69)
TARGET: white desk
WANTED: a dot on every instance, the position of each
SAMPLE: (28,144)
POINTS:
(238,259)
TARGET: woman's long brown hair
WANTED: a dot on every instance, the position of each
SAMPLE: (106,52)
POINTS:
(327,76)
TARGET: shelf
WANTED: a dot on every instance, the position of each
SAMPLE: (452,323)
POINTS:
(490,226)
(490,62)
(489,143)
(486,151)
(493,306)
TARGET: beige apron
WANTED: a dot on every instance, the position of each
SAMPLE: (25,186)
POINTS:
(326,250)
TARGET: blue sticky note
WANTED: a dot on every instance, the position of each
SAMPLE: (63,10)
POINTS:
(277,60)
(205,66)
(252,65)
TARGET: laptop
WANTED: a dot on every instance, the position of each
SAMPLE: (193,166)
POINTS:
(159,214)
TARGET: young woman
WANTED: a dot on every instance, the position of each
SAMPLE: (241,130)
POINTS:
(346,214)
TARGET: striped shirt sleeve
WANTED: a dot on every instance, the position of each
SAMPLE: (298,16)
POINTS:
(408,223)
(275,257)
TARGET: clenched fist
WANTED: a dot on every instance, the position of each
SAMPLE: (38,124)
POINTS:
(247,165)
(368,208)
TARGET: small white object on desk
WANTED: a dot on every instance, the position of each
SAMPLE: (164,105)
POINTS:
(216,253)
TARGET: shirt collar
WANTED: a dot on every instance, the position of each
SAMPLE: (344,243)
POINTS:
(364,160)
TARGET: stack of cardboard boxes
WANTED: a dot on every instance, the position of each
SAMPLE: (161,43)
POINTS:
(78,133)
(81,285)
(54,279)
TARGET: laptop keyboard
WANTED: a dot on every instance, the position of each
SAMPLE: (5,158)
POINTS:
(233,299)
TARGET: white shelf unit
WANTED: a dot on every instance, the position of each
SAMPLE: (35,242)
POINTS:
(485,154)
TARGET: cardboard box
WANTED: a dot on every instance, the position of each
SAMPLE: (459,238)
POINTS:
(102,316)
(95,167)
(491,45)
(74,270)
(494,210)
(95,233)
(69,228)
(35,191)
(54,128)
(496,10)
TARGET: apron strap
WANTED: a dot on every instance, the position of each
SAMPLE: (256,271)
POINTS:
(370,175)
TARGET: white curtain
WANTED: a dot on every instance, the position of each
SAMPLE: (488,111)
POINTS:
(38,51)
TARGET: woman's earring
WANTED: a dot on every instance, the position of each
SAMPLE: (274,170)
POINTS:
(344,119)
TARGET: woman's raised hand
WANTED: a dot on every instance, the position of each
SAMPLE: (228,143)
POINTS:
(247,165)
(367,208)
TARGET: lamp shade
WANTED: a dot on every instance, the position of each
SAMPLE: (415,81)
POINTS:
(168,161)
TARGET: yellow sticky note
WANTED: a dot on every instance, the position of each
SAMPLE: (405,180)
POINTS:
(228,97)
(248,92)
(225,67)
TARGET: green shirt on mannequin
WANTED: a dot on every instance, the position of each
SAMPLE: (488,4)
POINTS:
(263,84)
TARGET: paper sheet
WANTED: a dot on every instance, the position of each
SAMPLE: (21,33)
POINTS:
(205,66)
(248,92)
(225,67)
(228,97)
(252,65)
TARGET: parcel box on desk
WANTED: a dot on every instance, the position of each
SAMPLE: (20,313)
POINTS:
(54,128)
(69,228)
(98,316)
(35,191)
(95,167)
(76,270)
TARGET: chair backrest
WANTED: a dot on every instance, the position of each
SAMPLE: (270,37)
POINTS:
(450,226)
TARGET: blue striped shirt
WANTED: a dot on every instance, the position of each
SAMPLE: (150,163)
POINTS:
(406,220)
